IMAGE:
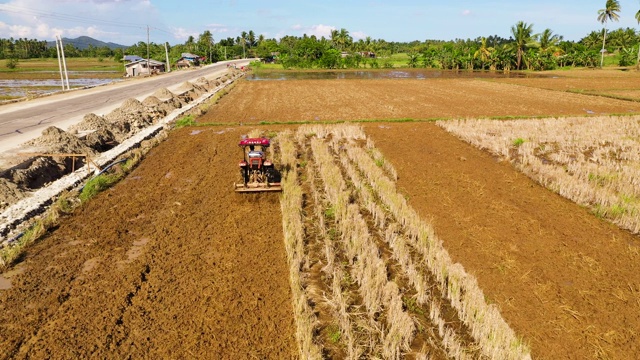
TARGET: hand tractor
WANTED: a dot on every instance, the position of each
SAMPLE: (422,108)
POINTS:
(258,174)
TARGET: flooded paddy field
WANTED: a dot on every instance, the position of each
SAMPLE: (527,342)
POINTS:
(22,87)
(388,74)
(36,77)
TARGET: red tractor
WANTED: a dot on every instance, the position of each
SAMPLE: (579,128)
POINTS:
(258,173)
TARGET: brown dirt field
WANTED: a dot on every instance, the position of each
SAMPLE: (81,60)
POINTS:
(321,100)
(565,280)
(588,80)
(169,263)
(633,94)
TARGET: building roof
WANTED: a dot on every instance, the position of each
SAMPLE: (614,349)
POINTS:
(190,56)
(131,58)
(151,62)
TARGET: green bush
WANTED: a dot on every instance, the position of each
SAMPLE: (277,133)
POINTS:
(185,121)
(97,185)
(11,63)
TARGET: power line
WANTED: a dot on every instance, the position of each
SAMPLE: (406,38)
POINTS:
(74,18)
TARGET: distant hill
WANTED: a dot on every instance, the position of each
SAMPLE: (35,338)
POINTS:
(83,42)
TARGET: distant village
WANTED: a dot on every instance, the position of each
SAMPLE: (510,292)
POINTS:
(138,66)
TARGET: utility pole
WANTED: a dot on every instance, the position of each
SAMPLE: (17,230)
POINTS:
(166,51)
(148,68)
(64,63)
(59,62)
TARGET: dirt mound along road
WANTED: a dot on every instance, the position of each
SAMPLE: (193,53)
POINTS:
(565,280)
(170,263)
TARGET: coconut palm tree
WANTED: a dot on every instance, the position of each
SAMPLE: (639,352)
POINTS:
(251,38)
(190,42)
(522,35)
(610,12)
(484,52)
(548,41)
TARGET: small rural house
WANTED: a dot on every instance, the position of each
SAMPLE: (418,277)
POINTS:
(139,67)
(188,60)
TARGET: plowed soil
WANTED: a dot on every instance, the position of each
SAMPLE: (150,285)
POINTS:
(321,100)
(170,263)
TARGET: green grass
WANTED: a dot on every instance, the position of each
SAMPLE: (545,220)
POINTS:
(98,184)
(399,60)
(518,142)
(73,64)
(412,306)
(333,333)
(185,121)
(330,213)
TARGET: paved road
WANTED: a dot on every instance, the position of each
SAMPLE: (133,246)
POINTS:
(23,121)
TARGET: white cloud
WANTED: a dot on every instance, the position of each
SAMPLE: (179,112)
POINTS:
(357,35)
(108,20)
(466,12)
(319,30)
(183,34)
(218,28)
(322,30)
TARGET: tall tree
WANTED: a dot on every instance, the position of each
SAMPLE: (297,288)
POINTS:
(205,44)
(548,41)
(251,37)
(484,52)
(190,42)
(610,12)
(522,35)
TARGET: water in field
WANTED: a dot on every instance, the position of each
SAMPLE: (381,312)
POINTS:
(384,74)
(16,88)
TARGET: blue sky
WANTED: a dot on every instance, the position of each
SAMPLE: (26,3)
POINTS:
(125,21)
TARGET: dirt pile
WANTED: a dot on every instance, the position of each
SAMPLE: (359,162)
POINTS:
(187,92)
(101,140)
(131,117)
(55,140)
(205,83)
(9,193)
(41,171)
(49,162)
(164,94)
(90,122)
(162,107)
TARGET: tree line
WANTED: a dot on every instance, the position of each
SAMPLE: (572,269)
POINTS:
(524,49)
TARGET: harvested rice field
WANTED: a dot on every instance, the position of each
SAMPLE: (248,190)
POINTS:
(417,240)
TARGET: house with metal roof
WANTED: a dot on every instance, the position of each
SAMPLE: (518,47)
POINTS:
(144,67)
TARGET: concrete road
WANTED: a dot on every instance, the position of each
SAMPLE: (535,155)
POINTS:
(23,121)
